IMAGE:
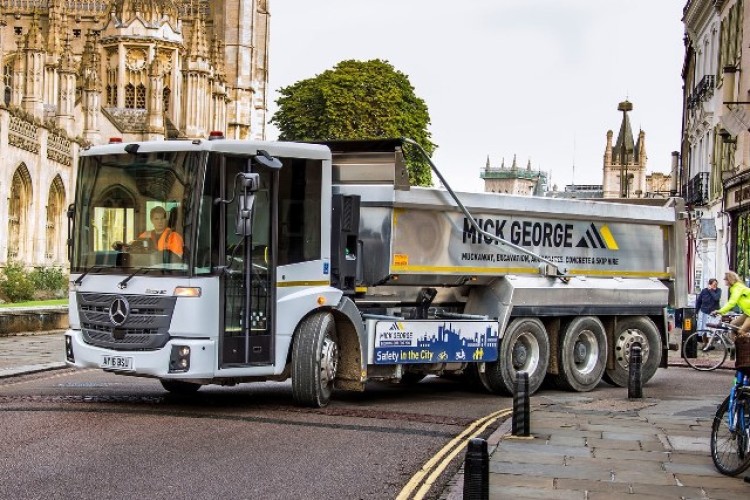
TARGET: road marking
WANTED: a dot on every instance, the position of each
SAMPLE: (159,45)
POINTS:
(431,470)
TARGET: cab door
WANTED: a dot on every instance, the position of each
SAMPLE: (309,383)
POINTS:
(246,256)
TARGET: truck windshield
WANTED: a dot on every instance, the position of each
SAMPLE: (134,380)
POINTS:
(134,211)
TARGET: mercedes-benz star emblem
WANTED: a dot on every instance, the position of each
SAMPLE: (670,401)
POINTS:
(119,310)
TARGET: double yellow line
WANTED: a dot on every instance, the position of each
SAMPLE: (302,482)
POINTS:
(435,466)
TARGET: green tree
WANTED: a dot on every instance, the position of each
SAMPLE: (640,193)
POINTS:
(357,100)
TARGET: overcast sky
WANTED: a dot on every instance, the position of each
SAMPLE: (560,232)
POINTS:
(540,79)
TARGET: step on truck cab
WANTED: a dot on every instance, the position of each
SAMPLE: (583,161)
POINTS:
(320,263)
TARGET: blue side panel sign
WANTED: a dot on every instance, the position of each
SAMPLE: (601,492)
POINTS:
(435,341)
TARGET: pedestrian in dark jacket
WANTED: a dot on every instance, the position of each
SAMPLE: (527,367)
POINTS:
(707,302)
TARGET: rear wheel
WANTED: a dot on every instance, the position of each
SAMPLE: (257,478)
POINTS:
(730,447)
(582,354)
(315,360)
(523,348)
(180,387)
(711,350)
(638,329)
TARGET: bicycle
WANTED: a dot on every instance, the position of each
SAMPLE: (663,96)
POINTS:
(713,346)
(730,432)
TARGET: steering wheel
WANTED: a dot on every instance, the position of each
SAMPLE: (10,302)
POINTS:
(141,246)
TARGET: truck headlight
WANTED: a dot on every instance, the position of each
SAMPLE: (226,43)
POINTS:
(179,359)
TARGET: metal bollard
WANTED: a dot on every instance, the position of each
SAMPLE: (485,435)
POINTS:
(520,424)
(477,471)
(635,386)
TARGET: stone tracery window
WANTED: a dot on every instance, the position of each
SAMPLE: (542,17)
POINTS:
(130,96)
(140,96)
(20,200)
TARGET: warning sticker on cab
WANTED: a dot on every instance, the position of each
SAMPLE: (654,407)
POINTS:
(400,259)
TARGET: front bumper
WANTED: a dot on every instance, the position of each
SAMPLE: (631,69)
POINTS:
(149,363)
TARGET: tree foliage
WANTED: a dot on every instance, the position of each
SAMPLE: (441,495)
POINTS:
(357,100)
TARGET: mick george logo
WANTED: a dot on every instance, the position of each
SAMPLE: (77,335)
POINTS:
(601,238)
(537,234)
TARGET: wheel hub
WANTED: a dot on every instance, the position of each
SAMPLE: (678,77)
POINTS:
(625,342)
(526,354)
(329,361)
(580,352)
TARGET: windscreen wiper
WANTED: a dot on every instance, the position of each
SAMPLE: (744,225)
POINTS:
(124,283)
(79,279)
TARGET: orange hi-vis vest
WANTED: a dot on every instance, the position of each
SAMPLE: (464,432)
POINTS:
(168,240)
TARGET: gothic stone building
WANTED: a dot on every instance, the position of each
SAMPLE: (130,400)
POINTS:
(81,72)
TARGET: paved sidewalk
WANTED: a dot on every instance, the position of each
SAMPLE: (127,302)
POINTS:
(588,446)
(584,448)
(32,352)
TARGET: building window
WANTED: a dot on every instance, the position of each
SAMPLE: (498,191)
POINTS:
(130,96)
(55,203)
(20,200)
(742,245)
(166,94)
(140,96)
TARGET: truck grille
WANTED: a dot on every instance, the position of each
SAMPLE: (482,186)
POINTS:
(136,322)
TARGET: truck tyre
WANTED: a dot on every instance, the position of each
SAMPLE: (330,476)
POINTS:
(629,330)
(582,354)
(180,387)
(315,360)
(524,347)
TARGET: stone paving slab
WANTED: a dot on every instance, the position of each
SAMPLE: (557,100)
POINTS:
(521,493)
(597,443)
(648,456)
(705,469)
(533,446)
(691,443)
(589,486)
(555,471)
(690,458)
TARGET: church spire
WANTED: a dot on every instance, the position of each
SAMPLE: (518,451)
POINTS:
(626,132)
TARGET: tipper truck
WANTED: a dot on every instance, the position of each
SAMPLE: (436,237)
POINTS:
(320,263)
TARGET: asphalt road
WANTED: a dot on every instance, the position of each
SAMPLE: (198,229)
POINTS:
(88,434)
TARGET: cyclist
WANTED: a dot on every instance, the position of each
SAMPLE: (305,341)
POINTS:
(739,296)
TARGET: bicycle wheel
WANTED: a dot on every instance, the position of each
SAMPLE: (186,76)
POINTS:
(706,358)
(730,449)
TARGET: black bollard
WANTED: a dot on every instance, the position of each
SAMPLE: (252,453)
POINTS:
(477,471)
(635,386)
(520,424)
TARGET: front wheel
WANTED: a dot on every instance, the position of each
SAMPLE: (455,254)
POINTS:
(711,351)
(315,360)
(629,331)
(730,444)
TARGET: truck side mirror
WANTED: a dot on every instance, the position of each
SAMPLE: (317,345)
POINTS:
(71,212)
(244,222)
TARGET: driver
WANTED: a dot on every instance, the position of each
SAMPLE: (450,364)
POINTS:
(163,237)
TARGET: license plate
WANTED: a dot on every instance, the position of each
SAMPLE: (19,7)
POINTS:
(117,363)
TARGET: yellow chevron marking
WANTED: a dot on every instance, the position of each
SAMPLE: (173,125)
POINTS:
(608,238)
